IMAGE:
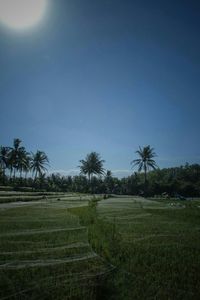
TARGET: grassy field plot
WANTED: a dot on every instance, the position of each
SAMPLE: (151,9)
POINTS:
(7,196)
(121,248)
(45,254)
(158,247)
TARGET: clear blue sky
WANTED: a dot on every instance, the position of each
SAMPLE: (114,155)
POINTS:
(105,76)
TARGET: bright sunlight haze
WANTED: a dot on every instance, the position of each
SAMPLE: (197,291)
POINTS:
(21,14)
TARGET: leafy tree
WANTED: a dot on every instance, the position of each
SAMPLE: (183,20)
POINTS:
(92,165)
(145,162)
(39,162)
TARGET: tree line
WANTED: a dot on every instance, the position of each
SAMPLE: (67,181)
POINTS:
(16,164)
(17,160)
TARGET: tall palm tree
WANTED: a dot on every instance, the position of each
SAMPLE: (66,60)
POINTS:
(145,162)
(14,155)
(108,174)
(93,164)
(108,180)
(23,161)
(10,161)
(38,164)
(4,154)
(26,164)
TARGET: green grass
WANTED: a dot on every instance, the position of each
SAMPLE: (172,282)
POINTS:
(84,248)
(45,254)
(154,246)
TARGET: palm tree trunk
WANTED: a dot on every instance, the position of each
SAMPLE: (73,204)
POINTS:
(10,174)
(89,177)
(4,175)
(14,173)
(145,180)
(35,175)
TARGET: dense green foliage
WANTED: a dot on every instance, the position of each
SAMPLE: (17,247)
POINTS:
(16,164)
(184,180)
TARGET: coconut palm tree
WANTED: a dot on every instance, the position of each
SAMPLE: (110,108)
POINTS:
(108,174)
(92,165)
(10,162)
(38,164)
(14,156)
(27,164)
(4,154)
(109,182)
(145,162)
(23,161)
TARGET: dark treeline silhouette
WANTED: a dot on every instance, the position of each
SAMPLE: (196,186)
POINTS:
(16,164)
(184,180)
(16,160)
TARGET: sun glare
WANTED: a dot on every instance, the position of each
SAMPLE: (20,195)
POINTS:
(21,14)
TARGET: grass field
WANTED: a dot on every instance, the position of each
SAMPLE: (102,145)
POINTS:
(68,246)
(44,251)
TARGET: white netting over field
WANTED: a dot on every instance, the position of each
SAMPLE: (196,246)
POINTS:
(41,238)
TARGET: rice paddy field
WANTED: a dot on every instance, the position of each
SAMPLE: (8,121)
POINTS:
(70,246)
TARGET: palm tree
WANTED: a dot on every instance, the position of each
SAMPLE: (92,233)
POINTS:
(145,161)
(14,156)
(23,161)
(10,162)
(38,164)
(93,164)
(108,174)
(4,154)
(108,180)
(27,163)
